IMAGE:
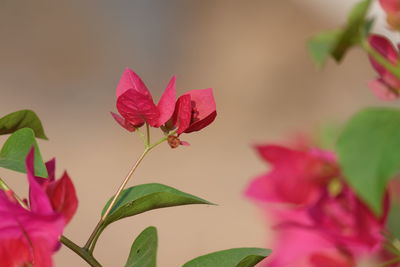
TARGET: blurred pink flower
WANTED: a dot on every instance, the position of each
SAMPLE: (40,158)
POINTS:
(300,245)
(296,176)
(387,86)
(392,9)
(29,237)
(327,226)
(348,222)
(61,192)
(136,105)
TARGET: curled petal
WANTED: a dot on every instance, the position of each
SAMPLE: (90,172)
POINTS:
(124,123)
(183,113)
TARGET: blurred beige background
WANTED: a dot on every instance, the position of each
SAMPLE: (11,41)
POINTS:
(63,59)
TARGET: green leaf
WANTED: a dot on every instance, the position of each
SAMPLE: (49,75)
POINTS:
(144,249)
(336,43)
(145,197)
(321,46)
(15,149)
(22,119)
(235,257)
(369,155)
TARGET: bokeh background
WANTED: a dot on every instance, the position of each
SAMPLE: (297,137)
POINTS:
(63,59)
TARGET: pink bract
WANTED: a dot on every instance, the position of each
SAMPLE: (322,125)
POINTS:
(61,193)
(29,236)
(194,111)
(299,246)
(136,105)
(296,176)
(386,86)
(322,228)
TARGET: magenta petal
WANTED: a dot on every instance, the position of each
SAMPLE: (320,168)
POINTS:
(262,189)
(203,109)
(274,154)
(121,121)
(382,91)
(33,235)
(198,125)
(295,246)
(63,197)
(38,200)
(203,101)
(130,80)
(183,113)
(137,108)
(166,105)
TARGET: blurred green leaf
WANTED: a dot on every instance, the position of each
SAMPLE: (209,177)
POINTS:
(321,46)
(15,149)
(336,43)
(145,197)
(369,155)
(235,257)
(22,119)
(144,249)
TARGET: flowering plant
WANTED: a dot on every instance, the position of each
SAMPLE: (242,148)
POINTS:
(339,207)
(31,230)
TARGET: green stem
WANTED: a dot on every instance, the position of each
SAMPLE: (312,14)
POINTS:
(393,69)
(96,237)
(121,187)
(83,253)
(148,135)
(91,242)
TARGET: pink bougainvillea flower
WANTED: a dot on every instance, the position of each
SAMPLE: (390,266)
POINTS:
(296,176)
(136,106)
(302,246)
(328,225)
(194,110)
(392,9)
(386,86)
(29,237)
(61,192)
(347,221)
(334,231)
